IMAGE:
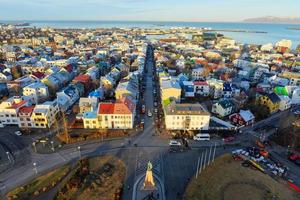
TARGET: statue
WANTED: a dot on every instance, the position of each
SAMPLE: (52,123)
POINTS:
(149,181)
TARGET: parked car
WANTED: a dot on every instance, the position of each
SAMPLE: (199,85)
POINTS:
(229,139)
(295,158)
(18,133)
(155,110)
(174,143)
(202,137)
(143,109)
(149,113)
(155,104)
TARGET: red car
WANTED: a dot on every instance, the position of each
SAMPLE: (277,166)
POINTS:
(229,139)
(293,185)
(294,156)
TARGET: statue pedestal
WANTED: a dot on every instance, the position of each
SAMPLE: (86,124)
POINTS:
(149,184)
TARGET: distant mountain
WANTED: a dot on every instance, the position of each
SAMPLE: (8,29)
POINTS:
(272,19)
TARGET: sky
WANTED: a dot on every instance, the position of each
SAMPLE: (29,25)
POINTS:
(147,10)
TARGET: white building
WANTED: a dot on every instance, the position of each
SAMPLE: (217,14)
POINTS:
(115,116)
(285,103)
(9,110)
(201,88)
(36,91)
(197,73)
(296,96)
(44,115)
(186,117)
(25,120)
(222,108)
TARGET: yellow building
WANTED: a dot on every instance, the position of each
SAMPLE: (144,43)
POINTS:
(271,101)
(90,120)
(44,115)
(170,89)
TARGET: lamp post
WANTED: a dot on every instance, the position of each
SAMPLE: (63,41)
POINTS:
(7,153)
(78,148)
(52,146)
(34,167)
(34,146)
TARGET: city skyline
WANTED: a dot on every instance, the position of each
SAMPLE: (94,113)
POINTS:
(145,10)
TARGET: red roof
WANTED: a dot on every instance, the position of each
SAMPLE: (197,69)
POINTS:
(83,78)
(113,108)
(18,105)
(69,68)
(121,108)
(200,83)
(26,110)
(38,74)
(106,108)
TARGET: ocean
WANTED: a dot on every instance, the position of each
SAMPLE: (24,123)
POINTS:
(274,32)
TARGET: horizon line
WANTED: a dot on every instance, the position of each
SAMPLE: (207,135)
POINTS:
(139,21)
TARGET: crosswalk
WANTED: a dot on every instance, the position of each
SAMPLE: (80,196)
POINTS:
(142,165)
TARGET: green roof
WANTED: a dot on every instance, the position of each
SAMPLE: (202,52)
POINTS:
(281,91)
(166,102)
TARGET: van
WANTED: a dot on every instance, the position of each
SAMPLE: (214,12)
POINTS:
(202,137)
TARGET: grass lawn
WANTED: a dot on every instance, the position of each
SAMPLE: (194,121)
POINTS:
(41,184)
(104,180)
(227,179)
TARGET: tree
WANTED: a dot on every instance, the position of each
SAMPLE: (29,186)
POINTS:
(260,111)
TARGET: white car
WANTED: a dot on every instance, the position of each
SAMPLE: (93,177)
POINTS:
(202,137)
(149,113)
(18,133)
(155,110)
(174,143)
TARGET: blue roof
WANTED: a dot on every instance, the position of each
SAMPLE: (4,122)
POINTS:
(227,87)
(96,93)
(90,115)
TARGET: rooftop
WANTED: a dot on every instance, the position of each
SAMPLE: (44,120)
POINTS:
(185,109)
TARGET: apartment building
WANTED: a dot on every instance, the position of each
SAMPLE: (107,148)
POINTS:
(9,110)
(186,117)
(44,115)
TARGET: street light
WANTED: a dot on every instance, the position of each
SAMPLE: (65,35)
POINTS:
(52,146)
(35,168)
(79,151)
(7,153)
(34,145)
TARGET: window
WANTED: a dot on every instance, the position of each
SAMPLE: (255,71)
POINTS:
(21,119)
(22,124)
(87,122)
(28,119)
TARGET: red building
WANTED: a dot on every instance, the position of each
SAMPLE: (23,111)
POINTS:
(85,80)
(243,118)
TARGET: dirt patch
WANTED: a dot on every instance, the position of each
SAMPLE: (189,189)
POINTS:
(95,178)
(227,179)
(237,190)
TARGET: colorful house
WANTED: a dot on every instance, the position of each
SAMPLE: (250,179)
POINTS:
(243,118)
(222,108)
(24,114)
(201,88)
(271,101)
(170,89)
